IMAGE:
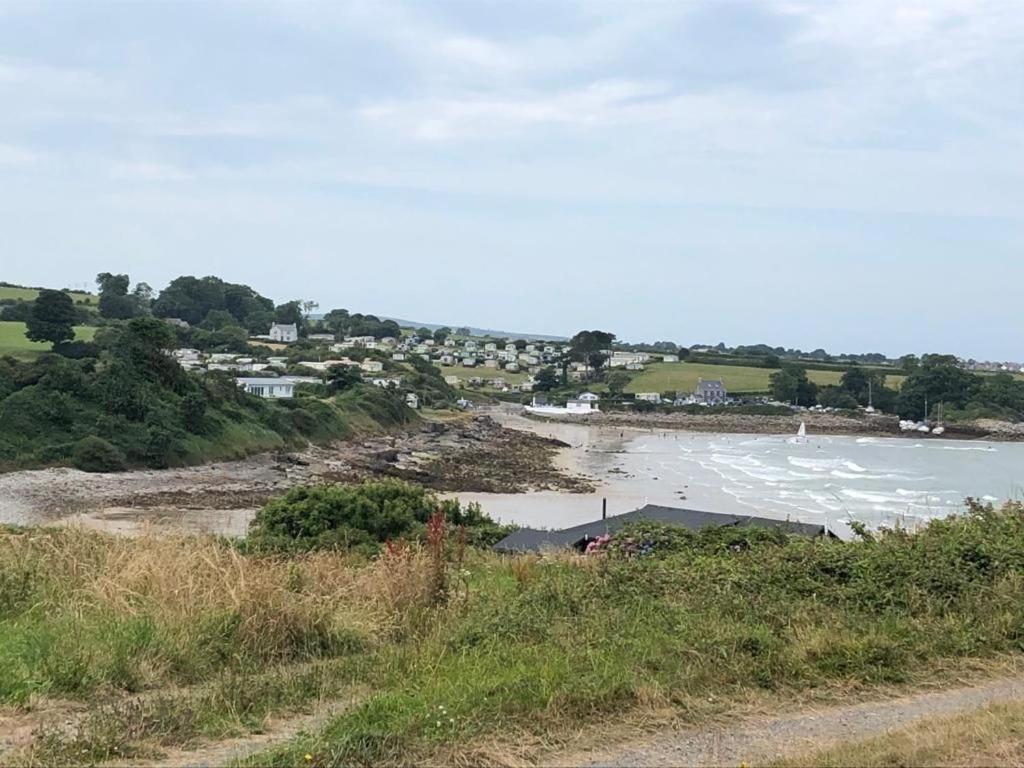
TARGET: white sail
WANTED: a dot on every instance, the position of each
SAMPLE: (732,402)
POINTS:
(802,432)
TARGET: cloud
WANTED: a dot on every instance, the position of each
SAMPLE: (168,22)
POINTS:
(477,115)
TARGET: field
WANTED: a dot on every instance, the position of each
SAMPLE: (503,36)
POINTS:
(440,655)
(682,377)
(483,373)
(13,341)
(28,294)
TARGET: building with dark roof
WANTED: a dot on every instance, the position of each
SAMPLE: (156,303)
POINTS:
(534,540)
(710,391)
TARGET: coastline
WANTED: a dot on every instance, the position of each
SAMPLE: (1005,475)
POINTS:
(831,424)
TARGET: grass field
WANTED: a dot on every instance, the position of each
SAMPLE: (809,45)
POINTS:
(484,373)
(28,294)
(682,377)
(13,341)
(478,660)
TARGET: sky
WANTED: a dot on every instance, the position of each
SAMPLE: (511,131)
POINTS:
(846,174)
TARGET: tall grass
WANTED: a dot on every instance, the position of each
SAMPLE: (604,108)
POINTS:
(81,611)
(525,646)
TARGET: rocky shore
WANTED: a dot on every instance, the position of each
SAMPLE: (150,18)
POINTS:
(476,454)
(872,425)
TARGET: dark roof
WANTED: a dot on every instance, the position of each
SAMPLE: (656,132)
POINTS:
(534,540)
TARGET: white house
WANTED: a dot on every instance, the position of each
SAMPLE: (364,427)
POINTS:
(650,397)
(372,366)
(269,388)
(284,333)
(580,406)
(321,337)
(452,381)
(398,356)
(588,397)
(389,383)
(670,358)
(468,362)
(412,400)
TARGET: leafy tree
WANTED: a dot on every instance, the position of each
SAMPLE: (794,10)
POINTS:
(589,346)
(836,397)
(342,377)
(52,318)
(290,312)
(115,303)
(909,363)
(617,382)
(546,379)
(791,385)
(441,334)
(424,333)
(938,379)
(464,331)
(191,299)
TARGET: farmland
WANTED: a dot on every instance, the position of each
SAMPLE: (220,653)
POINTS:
(29,294)
(13,341)
(682,377)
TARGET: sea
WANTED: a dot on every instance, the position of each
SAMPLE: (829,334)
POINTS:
(873,480)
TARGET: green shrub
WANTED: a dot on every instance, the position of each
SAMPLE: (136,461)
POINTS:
(360,516)
(94,454)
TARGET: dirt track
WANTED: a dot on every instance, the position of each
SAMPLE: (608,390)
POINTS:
(763,740)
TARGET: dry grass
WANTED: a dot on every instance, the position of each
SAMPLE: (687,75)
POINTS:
(993,736)
(179,597)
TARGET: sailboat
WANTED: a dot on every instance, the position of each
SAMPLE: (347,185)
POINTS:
(801,434)
(940,429)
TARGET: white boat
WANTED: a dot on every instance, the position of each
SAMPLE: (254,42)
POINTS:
(802,432)
(939,430)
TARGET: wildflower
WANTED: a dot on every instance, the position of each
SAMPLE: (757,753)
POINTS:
(308,757)
(438,723)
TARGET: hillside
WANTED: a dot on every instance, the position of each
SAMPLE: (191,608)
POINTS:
(137,407)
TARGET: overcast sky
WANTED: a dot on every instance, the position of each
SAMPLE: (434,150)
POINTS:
(847,175)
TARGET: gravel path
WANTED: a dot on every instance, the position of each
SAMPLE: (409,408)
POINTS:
(762,740)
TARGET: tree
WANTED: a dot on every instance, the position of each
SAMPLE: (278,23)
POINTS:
(589,347)
(791,385)
(938,379)
(290,313)
(441,334)
(546,379)
(464,331)
(308,307)
(52,318)
(836,397)
(115,303)
(617,382)
(423,333)
(342,377)
(909,363)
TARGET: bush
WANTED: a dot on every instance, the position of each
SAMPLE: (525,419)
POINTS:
(362,516)
(94,454)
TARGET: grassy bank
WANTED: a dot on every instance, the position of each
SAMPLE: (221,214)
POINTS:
(521,649)
(683,377)
(13,341)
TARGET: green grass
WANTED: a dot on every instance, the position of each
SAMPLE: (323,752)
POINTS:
(682,377)
(523,649)
(484,373)
(28,294)
(13,341)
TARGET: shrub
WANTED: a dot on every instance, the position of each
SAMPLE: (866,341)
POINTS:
(360,516)
(94,454)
